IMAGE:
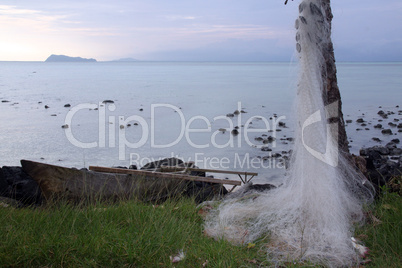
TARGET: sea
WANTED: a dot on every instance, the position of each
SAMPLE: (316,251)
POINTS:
(219,115)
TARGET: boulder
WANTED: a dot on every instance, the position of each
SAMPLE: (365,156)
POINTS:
(380,168)
(396,151)
(378,126)
(386,131)
(16,184)
(164,162)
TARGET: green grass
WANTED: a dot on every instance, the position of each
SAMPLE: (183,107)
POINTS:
(135,234)
(384,237)
(128,234)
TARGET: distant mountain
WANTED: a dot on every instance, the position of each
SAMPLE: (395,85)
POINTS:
(126,59)
(63,58)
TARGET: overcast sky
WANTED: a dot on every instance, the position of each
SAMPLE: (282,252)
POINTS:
(363,30)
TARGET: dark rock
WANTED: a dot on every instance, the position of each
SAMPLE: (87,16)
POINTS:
(266,149)
(261,187)
(395,141)
(259,138)
(400,125)
(47,107)
(141,109)
(391,124)
(349,121)
(382,150)
(378,126)
(360,120)
(396,151)
(67,105)
(391,145)
(237,112)
(16,184)
(235,132)
(379,169)
(107,101)
(133,167)
(282,124)
(386,131)
(230,115)
(381,112)
(4,101)
(376,139)
(161,163)
(203,191)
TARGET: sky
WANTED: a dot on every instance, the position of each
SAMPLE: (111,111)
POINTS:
(190,30)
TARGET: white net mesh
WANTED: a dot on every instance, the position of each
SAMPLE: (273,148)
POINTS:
(311,216)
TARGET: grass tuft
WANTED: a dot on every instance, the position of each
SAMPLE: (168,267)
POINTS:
(125,234)
(137,234)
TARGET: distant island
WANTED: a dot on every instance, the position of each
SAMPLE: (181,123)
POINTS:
(63,58)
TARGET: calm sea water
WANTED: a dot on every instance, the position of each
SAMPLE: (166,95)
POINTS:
(180,110)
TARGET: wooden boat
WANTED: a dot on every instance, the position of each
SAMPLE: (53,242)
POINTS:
(110,183)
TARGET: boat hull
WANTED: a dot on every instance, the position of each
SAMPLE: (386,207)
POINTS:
(73,184)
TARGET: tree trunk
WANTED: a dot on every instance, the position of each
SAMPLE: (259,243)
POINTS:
(332,93)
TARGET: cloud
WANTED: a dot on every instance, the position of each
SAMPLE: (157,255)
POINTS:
(13,10)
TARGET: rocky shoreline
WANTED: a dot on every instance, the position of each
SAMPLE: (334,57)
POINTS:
(382,165)
(19,189)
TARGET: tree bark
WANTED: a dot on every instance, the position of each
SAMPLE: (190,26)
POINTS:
(331,89)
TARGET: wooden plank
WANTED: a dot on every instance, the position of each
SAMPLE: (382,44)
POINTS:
(162,175)
(174,169)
